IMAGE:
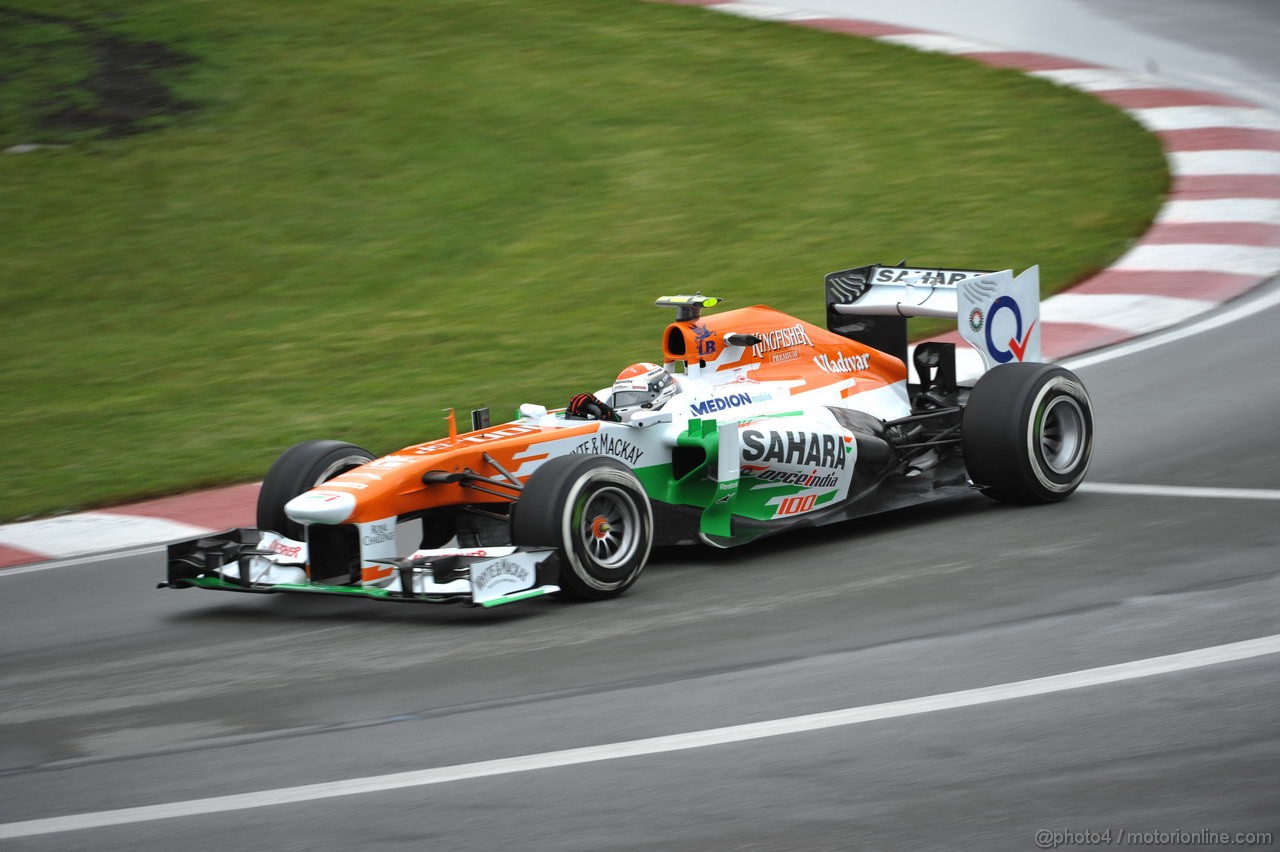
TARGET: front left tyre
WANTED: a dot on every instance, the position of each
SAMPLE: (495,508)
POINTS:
(299,469)
(596,513)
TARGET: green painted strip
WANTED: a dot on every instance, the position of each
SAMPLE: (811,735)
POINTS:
(773,415)
(338,590)
(319,588)
(515,596)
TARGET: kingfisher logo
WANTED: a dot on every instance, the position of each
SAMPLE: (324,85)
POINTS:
(721,403)
(1018,343)
(783,338)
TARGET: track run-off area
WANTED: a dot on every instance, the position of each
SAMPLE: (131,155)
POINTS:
(959,676)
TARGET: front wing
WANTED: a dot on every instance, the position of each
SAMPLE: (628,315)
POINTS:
(264,562)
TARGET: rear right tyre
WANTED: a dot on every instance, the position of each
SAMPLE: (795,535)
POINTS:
(1027,433)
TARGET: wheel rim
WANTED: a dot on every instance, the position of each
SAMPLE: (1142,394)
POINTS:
(340,466)
(1062,434)
(609,528)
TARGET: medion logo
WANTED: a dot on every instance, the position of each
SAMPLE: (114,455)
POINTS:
(781,339)
(806,449)
(721,403)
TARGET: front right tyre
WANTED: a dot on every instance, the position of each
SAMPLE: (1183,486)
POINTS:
(299,469)
(1027,433)
(596,513)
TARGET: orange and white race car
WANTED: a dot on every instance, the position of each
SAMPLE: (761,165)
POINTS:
(755,423)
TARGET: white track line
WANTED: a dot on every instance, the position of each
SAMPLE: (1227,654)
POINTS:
(1181,491)
(89,558)
(1241,311)
(656,745)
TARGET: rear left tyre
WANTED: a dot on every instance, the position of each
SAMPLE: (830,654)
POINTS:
(596,513)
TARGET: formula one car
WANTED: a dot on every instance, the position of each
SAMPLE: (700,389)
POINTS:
(755,423)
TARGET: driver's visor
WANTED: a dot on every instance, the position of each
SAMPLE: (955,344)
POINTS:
(627,399)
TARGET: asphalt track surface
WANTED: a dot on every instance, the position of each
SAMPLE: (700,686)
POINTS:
(117,695)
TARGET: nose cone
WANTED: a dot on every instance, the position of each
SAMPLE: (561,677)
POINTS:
(321,507)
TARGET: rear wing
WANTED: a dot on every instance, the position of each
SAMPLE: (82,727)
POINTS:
(997,313)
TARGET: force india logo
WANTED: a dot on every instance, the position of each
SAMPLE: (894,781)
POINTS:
(812,479)
(976,319)
(783,338)
(803,449)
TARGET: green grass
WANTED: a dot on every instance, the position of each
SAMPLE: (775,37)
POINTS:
(381,209)
(36,59)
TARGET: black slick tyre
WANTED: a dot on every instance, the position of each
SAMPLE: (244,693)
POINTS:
(300,468)
(595,511)
(1027,433)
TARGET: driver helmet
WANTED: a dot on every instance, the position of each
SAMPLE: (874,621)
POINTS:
(642,385)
